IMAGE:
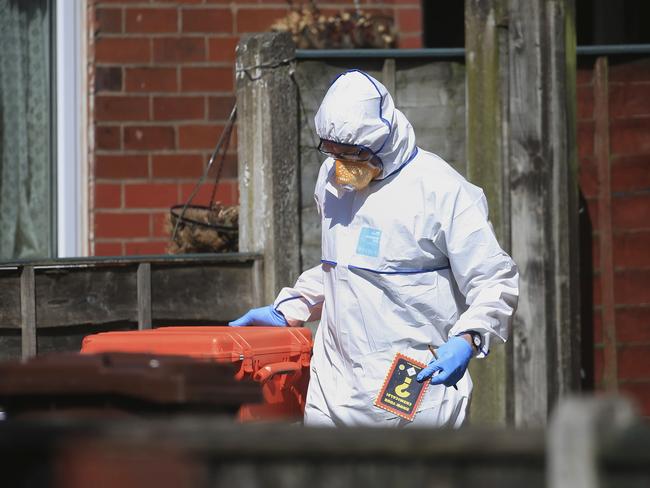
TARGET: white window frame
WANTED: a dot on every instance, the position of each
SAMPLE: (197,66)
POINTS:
(71,133)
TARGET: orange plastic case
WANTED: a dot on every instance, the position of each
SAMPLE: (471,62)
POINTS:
(277,357)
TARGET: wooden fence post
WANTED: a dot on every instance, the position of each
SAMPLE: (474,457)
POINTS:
(522,149)
(544,202)
(268,129)
(28,312)
(486,38)
(144,295)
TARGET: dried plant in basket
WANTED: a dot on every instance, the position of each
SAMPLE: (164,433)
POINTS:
(344,30)
(203,229)
(212,228)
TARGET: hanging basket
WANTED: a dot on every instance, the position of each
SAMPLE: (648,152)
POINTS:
(200,228)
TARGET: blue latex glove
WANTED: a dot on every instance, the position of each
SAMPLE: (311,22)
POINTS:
(453,358)
(261,316)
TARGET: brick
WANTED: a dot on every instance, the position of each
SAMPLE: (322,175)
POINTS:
(108,137)
(110,225)
(630,173)
(149,137)
(631,287)
(121,2)
(585,136)
(122,50)
(595,254)
(121,166)
(409,42)
(151,80)
(588,177)
(637,71)
(630,136)
(633,362)
(147,248)
(640,393)
(202,197)
(632,249)
(188,2)
(219,108)
(108,79)
(208,20)
(222,48)
(585,102)
(108,249)
(178,108)
(257,19)
(598,326)
(206,79)
(179,50)
(628,100)
(108,195)
(198,136)
(108,20)
(229,166)
(633,324)
(409,20)
(151,20)
(111,108)
(599,363)
(177,165)
(584,76)
(150,195)
(631,212)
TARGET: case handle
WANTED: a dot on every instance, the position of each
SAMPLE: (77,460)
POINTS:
(265,373)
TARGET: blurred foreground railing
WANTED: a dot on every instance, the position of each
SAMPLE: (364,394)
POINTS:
(590,443)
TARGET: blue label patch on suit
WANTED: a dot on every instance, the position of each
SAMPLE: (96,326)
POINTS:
(368,244)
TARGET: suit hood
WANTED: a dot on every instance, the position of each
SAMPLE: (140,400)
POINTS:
(357,109)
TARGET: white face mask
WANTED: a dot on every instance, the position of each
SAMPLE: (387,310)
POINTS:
(355,175)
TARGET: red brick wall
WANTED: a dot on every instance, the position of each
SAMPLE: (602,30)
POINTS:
(161,92)
(629,108)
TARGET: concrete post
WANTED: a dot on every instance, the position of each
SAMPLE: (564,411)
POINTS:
(577,430)
(268,128)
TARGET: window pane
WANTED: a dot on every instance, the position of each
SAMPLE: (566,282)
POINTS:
(25,129)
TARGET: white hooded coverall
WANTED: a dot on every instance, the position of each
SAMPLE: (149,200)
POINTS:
(409,261)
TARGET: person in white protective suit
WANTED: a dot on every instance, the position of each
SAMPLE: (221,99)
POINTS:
(409,259)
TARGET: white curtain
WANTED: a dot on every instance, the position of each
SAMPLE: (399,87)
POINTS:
(25,126)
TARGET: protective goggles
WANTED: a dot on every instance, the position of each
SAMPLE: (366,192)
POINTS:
(352,152)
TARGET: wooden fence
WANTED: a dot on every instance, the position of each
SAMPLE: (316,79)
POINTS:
(50,305)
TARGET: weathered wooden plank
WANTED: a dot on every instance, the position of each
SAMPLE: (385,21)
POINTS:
(605,236)
(76,296)
(28,312)
(487,162)
(210,294)
(144,295)
(543,189)
(96,261)
(268,128)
